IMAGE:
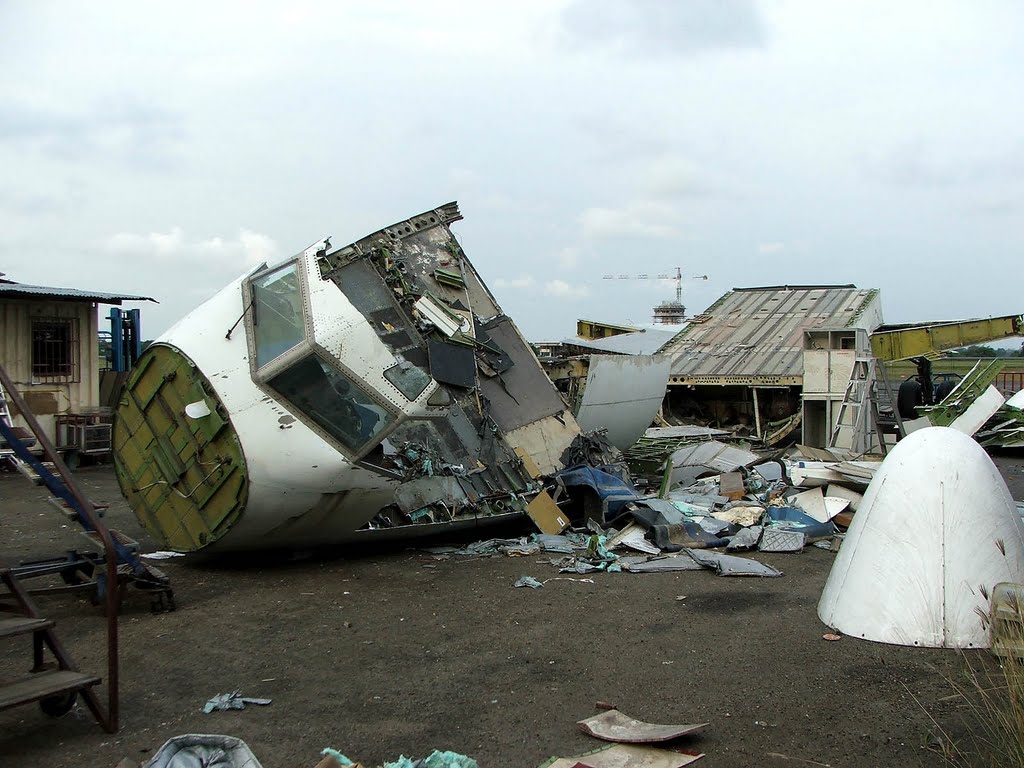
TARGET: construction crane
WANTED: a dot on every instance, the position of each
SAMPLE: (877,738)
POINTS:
(668,312)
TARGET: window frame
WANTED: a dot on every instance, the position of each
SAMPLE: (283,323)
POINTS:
(44,372)
(308,347)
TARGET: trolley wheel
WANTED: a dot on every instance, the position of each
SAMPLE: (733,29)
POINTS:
(59,705)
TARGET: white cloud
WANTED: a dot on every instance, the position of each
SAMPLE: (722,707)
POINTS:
(248,249)
(767,248)
(644,218)
(515,283)
(564,290)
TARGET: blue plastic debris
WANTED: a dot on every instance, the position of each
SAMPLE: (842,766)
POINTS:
(798,520)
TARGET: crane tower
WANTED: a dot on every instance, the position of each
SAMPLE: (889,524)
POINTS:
(668,312)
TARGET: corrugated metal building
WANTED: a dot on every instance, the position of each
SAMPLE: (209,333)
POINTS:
(742,359)
(49,345)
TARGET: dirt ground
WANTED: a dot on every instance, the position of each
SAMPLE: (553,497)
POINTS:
(393,651)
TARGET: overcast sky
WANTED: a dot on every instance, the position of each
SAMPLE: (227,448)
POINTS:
(164,148)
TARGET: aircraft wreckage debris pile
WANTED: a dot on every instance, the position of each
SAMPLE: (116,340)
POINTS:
(715,500)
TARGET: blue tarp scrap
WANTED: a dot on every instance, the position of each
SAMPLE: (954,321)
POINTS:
(798,520)
(613,492)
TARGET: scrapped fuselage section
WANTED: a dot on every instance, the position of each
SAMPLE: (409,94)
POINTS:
(368,391)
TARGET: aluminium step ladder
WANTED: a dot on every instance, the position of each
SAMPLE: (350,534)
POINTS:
(858,425)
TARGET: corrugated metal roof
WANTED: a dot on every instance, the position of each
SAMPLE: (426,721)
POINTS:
(21,291)
(759,332)
(642,342)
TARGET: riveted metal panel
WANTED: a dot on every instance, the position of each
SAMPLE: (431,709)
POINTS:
(184,477)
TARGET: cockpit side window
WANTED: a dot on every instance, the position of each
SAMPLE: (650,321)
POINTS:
(333,400)
(277,313)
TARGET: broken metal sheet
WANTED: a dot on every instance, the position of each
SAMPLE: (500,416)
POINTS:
(819,454)
(812,502)
(979,412)
(622,395)
(612,725)
(714,526)
(746,538)
(521,550)
(1017,401)
(523,394)
(423,492)
(453,364)
(559,543)
(841,492)
(810,474)
(912,425)
(857,473)
(689,462)
(703,500)
(822,508)
(634,537)
(781,540)
(665,512)
(730,565)
(664,564)
(580,566)
(770,471)
(835,505)
(658,433)
(444,319)
(480,548)
(625,756)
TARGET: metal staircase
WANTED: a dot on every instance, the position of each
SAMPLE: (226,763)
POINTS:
(56,685)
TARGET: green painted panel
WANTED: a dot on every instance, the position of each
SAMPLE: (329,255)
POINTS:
(185,479)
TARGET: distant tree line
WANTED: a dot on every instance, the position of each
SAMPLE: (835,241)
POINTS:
(981,350)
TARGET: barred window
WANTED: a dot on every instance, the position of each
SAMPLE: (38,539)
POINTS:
(55,350)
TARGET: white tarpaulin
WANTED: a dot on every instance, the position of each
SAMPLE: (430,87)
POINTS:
(936,530)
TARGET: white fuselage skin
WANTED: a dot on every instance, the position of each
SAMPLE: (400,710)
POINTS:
(303,491)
